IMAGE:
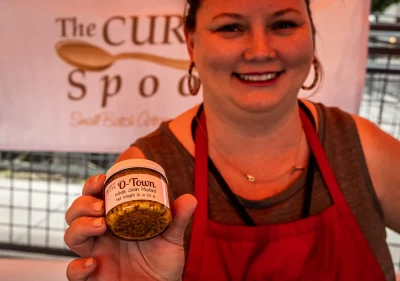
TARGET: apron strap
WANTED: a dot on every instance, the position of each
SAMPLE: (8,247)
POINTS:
(200,216)
(323,164)
(349,223)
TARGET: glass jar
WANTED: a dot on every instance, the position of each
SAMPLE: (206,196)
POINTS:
(136,200)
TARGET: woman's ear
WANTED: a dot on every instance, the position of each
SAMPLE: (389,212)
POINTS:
(189,36)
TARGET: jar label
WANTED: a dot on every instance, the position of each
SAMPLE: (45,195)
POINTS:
(135,187)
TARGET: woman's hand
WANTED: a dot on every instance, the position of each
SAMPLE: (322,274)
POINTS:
(106,258)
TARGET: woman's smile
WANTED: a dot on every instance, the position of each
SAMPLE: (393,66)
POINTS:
(258,79)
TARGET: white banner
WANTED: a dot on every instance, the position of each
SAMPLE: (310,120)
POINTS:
(133,60)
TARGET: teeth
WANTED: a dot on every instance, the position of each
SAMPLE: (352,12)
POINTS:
(263,77)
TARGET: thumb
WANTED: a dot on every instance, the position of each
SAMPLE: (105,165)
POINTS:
(182,210)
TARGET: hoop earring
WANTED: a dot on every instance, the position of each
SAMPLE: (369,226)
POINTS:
(193,90)
(316,78)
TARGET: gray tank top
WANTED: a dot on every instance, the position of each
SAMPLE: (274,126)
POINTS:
(339,137)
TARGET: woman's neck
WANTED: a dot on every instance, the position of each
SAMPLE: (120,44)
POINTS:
(234,131)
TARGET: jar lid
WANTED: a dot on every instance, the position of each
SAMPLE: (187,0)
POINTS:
(135,163)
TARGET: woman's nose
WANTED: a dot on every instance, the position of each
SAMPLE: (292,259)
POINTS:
(259,47)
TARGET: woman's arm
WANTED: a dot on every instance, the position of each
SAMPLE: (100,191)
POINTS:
(382,153)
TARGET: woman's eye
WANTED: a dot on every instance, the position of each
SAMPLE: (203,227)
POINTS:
(230,28)
(284,25)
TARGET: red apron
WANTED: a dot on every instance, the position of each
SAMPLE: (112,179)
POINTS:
(327,246)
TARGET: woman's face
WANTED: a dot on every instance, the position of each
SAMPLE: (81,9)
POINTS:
(250,53)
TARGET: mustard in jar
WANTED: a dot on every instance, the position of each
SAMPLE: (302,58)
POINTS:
(136,200)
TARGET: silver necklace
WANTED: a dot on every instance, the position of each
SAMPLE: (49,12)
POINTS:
(293,170)
(251,178)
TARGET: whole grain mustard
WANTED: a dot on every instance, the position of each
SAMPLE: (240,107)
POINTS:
(136,200)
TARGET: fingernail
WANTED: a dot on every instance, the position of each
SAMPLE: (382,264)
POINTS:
(98,222)
(97,206)
(88,263)
(96,179)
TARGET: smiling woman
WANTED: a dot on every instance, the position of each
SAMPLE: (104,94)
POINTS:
(281,188)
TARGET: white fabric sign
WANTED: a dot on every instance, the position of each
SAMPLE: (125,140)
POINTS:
(134,60)
(342,47)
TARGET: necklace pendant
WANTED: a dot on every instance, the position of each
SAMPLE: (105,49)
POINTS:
(250,178)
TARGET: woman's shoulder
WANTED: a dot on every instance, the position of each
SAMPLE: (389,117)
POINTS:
(178,128)
(382,154)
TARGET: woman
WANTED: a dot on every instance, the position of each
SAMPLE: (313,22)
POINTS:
(276,209)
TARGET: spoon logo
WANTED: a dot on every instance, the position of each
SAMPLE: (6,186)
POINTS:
(84,57)
(89,57)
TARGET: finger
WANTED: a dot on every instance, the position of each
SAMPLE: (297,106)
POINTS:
(80,269)
(182,210)
(84,206)
(79,236)
(94,185)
